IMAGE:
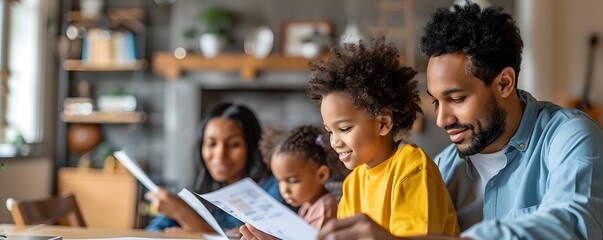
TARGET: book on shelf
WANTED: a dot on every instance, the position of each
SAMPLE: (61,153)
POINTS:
(103,47)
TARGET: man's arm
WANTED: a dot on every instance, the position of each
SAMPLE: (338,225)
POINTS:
(361,226)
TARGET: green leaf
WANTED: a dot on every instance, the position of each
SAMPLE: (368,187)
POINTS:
(189,33)
(102,151)
(217,20)
(19,141)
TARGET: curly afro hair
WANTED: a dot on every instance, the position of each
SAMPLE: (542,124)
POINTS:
(270,140)
(489,37)
(307,141)
(371,74)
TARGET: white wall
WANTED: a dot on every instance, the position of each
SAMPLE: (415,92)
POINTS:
(535,19)
(579,19)
(556,34)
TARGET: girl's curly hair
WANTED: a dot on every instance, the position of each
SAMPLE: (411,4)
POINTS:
(489,37)
(371,74)
(307,141)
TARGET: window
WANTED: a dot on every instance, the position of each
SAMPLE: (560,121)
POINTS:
(21,95)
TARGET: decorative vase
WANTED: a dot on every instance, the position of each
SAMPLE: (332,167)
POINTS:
(259,42)
(91,8)
(82,138)
(311,50)
(351,34)
(211,44)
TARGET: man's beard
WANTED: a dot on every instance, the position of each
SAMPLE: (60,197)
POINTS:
(485,134)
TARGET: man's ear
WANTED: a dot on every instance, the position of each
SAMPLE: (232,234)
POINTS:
(507,84)
(386,123)
(324,173)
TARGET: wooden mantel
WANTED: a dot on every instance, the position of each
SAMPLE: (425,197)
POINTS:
(168,66)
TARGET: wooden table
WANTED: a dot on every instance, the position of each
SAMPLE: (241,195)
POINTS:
(79,232)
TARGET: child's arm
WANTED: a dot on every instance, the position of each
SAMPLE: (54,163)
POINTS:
(248,231)
(361,226)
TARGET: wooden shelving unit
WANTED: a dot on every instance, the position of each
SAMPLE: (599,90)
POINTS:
(79,65)
(121,57)
(105,117)
(121,15)
(130,17)
(165,64)
(129,23)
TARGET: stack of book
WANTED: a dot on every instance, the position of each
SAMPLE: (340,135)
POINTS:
(103,47)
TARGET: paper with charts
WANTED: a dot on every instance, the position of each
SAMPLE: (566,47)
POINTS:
(249,203)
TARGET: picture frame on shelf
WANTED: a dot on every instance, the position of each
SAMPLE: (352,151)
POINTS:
(295,33)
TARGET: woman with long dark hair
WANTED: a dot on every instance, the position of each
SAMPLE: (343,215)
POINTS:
(227,143)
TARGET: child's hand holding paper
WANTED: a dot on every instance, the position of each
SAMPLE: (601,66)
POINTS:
(249,203)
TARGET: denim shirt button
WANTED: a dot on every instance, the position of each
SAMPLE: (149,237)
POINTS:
(522,146)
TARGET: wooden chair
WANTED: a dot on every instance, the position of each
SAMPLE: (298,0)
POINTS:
(63,210)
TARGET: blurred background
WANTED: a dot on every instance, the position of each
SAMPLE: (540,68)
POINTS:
(81,79)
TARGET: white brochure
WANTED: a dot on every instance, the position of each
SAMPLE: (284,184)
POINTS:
(133,167)
(198,206)
(249,203)
(184,194)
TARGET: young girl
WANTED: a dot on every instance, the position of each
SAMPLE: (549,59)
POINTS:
(299,161)
(228,139)
(367,100)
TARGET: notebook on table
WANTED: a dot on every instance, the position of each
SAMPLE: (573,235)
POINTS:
(29,237)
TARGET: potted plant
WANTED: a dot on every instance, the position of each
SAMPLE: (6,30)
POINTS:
(217,23)
(189,35)
(91,8)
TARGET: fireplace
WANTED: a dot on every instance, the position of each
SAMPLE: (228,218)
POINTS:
(277,98)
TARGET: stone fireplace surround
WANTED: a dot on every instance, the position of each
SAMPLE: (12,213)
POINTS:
(277,98)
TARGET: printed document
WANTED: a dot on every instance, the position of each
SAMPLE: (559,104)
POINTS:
(198,206)
(184,194)
(133,167)
(249,203)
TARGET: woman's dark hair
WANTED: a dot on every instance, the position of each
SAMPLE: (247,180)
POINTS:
(254,166)
(489,37)
(371,74)
(307,142)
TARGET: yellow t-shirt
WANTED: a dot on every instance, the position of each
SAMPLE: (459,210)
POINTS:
(405,194)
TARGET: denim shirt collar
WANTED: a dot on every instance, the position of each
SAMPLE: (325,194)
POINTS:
(528,121)
(522,136)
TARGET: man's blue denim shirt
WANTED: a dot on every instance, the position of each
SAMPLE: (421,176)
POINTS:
(551,186)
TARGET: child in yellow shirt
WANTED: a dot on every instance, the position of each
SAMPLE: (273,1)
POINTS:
(367,100)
